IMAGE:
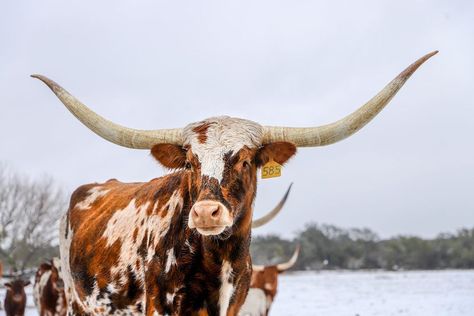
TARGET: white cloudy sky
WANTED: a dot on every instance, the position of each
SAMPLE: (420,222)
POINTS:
(157,64)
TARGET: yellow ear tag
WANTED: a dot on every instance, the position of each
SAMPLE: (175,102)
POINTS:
(272,169)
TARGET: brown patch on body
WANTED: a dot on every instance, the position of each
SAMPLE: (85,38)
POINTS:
(201,131)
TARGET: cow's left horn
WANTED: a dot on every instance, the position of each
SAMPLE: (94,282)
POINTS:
(271,215)
(287,265)
(117,134)
(334,132)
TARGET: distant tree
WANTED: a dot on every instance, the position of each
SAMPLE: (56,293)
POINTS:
(29,217)
(461,249)
(271,249)
(331,247)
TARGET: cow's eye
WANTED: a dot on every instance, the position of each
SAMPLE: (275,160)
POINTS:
(188,165)
(246,164)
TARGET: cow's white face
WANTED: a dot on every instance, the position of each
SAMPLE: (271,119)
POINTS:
(221,155)
(215,138)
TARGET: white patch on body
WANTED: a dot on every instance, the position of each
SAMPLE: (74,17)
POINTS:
(269,301)
(103,302)
(223,135)
(94,194)
(60,306)
(121,227)
(39,287)
(170,297)
(269,286)
(158,226)
(190,247)
(227,288)
(64,250)
(255,304)
(170,260)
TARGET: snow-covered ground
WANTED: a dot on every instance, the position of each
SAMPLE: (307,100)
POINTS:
(418,293)
(422,293)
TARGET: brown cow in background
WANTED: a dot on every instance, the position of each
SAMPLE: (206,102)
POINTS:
(49,295)
(263,287)
(15,300)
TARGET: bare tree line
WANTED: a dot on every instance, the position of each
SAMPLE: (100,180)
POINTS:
(331,247)
(29,215)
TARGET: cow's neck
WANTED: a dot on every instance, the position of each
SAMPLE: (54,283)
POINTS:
(228,259)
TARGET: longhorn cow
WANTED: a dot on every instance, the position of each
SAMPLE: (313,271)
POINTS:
(179,244)
(48,290)
(264,285)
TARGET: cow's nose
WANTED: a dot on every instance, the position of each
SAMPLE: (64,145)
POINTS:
(204,211)
(209,217)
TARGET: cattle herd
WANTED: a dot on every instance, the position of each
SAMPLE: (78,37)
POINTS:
(178,244)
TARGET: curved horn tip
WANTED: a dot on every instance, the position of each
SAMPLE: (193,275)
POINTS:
(50,83)
(290,263)
(411,69)
(40,77)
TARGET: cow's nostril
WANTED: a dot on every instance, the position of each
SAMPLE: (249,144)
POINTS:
(195,213)
(215,213)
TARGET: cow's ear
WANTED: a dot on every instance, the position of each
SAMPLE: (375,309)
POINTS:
(26,283)
(279,152)
(8,286)
(169,155)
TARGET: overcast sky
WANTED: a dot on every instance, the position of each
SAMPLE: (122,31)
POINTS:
(157,64)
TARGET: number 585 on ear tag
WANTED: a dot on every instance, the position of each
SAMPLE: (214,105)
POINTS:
(271,169)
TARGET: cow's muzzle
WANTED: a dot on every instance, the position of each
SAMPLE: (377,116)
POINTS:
(209,217)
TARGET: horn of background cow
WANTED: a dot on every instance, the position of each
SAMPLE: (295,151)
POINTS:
(286,265)
(271,215)
(117,134)
(334,132)
(257,268)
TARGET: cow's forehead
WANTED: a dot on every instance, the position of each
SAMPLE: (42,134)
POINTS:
(213,138)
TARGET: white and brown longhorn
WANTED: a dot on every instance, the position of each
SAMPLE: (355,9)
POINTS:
(179,244)
(264,286)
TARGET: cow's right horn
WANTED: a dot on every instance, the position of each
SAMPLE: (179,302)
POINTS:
(117,134)
(345,127)
(271,215)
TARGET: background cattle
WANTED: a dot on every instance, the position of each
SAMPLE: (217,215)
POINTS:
(15,299)
(48,290)
(264,285)
(180,244)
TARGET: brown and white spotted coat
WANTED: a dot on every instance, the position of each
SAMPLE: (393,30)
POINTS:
(179,244)
(48,291)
